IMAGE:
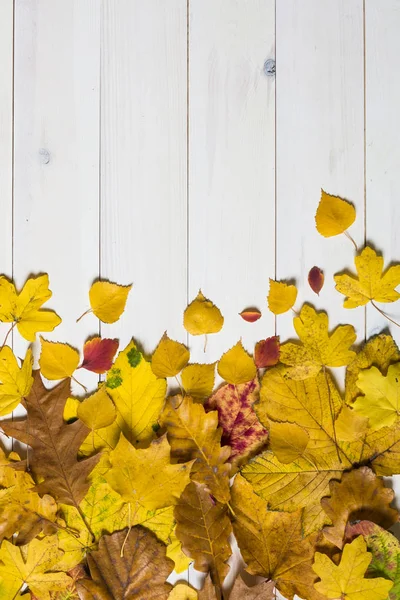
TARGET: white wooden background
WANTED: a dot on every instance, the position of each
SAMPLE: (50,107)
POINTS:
(146,142)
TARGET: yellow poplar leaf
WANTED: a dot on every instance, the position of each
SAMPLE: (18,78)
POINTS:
(287,441)
(57,360)
(346,580)
(97,410)
(182,591)
(334,215)
(198,380)
(371,284)
(169,358)
(236,365)
(24,308)
(16,382)
(381,400)
(108,300)
(281,297)
(318,349)
(202,316)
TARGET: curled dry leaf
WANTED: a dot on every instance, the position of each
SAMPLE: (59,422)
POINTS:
(266,352)
(98,354)
(16,382)
(334,215)
(316,279)
(169,358)
(236,365)
(57,360)
(281,296)
(202,316)
(251,315)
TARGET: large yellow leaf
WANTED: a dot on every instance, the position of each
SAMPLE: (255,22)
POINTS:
(57,360)
(202,316)
(281,296)
(169,358)
(16,382)
(334,215)
(237,366)
(198,380)
(24,308)
(194,434)
(318,349)
(381,400)
(346,580)
(371,283)
(108,300)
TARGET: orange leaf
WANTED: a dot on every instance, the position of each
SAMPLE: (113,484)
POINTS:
(266,352)
(251,315)
(98,354)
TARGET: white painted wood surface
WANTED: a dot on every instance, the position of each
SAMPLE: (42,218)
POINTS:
(142,141)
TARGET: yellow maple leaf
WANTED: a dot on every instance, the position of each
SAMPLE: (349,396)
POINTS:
(57,360)
(346,580)
(319,349)
(198,380)
(334,215)
(16,382)
(236,365)
(107,300)
(202,316)
(97,411)
(381,400)
(371,284)
(281,296)
(169,357)
(24,309)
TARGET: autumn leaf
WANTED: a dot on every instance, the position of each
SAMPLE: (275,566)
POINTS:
(236,365)
(98,354)
(202,316)
(169,358)
(349,426)
(251,315)
(16,382)
(97,410)
(260,591)
(359,495)
(107,300)
(175,553)
(272,543)
(318,349)
(182,591)
(281,296)
(381,400)
(198,380)
(316,280)
(334,215)
(371,284)
(32,565)
(195,435)
(288,441)
(140,572)
(266,352)
(203,527)
(57,360)
(242,431)
(346,580)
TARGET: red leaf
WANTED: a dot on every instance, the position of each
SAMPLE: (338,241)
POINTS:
(98,354)
(266,352)
(241,429)
(316,279)
(250,315)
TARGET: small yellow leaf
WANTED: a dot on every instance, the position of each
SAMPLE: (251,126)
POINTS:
(202,316)
(57,360)
(198,380)
(108,300)
(281,297)
(182,591)
(334,215)
(16,382)
(381,402)
(287,441)
(169,358)
(350,426)
(237,366)
(97,410)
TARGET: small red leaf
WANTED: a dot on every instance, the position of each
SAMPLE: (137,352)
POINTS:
(316,279)
(250,315)
(266,352)
(98,354)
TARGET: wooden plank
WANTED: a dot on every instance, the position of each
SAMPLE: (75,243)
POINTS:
(231,165)
(143,167)
(57,156)
(320,135)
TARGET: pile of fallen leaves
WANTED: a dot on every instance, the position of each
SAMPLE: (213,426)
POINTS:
(160,467)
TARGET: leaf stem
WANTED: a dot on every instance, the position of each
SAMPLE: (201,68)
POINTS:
(205,342)
(346,233)
(7,334)
(89,310)
(79,383)
(179,385)
(384,314)
(129,530)
(82,516)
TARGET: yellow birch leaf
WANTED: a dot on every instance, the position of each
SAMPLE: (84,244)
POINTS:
(349,425)
(57,360)
(287,441)
(202,316)
(97,410)
(198,380)
(371,284)
(16,382)
(25,308)
(169,358)
(182,591)
(334,215)
(108,300)
(236,365)
(346,580)
(381,400)
(281,296)
(318,349)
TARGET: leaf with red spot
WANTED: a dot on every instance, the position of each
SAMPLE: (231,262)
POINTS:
(242,430)
(251,315)
(316,279)
(266,352)
(98,354)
